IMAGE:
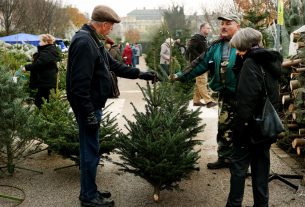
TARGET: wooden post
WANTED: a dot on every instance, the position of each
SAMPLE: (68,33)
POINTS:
(298,142)
(300,70)
(298,113)
(302,131)
(294,84)
(294,75)
(300,45)
(292,126)
(291,108)
(289,63)
(296,36)
(286,101)
(299,151)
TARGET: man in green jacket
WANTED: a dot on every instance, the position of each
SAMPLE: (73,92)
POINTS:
(220,59)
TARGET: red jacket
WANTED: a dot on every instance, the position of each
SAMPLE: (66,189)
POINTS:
(127,52)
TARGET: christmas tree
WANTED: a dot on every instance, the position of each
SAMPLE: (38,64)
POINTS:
(159,145)
(59,129)
(17,122)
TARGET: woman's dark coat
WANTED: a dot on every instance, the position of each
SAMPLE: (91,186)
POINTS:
(44,67)
(250,91)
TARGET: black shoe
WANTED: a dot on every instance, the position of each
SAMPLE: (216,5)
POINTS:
(98,202)
(104,194)
(211,104)
(101,195)
(220,163)
(198,104)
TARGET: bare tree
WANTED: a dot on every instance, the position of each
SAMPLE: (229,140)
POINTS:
(43,16)
(8,10)
(34,16)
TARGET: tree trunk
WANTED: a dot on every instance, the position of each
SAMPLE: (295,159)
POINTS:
(10,159)
(156,193)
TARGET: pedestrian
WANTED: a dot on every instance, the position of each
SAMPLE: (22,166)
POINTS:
(221,60)
(127,54)
(180,46)
(88,87)
(260,65)
(116,53)
(134,58)
(195,47)
(165,54)
(138,52)
(43,69)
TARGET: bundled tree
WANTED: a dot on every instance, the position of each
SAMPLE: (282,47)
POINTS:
(159,145)
(17,122)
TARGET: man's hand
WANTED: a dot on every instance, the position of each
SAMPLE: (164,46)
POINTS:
(173,77)
(91,122)
(149,76)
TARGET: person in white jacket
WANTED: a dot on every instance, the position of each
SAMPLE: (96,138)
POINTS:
(165,54)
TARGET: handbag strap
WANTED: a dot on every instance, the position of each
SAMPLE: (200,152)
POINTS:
(99,46)
(264,75)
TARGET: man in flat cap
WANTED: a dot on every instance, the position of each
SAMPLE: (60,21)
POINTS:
(222,62)
(88,87)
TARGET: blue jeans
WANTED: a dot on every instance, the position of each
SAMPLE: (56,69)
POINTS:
(89,158)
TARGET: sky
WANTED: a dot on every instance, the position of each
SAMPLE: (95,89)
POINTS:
(122,7)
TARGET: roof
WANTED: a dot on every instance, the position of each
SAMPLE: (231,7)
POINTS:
(147,14)
(22,38)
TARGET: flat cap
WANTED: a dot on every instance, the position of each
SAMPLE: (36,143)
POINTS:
(230,17)
(102,13)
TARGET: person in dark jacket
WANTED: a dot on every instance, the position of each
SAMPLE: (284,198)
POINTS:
(44,68)
(88,87)
(196,46)
(250,96)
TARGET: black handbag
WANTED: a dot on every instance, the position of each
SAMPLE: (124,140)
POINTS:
(268,124)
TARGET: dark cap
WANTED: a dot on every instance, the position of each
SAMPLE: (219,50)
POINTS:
(103,13)
(230,17)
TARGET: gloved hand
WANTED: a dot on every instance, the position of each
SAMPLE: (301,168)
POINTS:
(91,122)
(149,76)
(173,77)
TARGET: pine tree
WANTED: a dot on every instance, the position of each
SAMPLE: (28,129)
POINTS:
(59,130)
(159,145)
(17,122)
(57,125)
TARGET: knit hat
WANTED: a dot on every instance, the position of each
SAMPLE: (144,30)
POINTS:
(102,13)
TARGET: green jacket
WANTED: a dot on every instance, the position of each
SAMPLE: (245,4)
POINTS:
(213,54)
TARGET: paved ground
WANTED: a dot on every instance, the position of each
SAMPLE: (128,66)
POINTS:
(205,188)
